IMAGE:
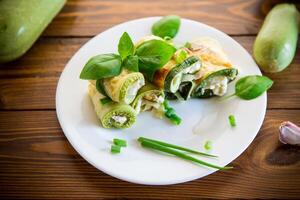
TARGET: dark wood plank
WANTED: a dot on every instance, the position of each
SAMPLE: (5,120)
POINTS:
(30,82)
(90,17)
(36,161)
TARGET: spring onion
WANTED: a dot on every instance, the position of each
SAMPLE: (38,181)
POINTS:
(208,145)
(177,147)
(170,113)
(153,145)
(115,149)
(232,120)
(120,142)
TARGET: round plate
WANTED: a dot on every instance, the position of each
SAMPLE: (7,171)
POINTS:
(202,120)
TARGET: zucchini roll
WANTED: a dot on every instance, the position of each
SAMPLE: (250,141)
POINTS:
(176,78)
(111,114)
(124,87)
(216,71)
(148,97)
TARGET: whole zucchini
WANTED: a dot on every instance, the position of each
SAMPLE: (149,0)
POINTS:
(275,45)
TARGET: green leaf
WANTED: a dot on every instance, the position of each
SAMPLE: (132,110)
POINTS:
(126,46)
(180,55)
(167,26)
(131,63)
(101,66)
(250,87)
(153,55)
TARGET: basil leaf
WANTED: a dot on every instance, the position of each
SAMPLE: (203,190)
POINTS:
(153,55)
(101,66)
(250,87)
(131,63)
(100,87)
(167,26)
(126,46)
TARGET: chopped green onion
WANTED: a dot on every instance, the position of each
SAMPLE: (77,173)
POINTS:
(177,147)
(188,45)
(232,120)
(170,113)
(208,145)
(120,142)
(180,55)
(105,100)
(156,146)
(115,149)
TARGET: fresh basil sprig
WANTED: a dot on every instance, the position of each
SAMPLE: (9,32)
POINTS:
(102,66)
(125,46)
(131,63)
(250,87)
(167,26)
(154,54)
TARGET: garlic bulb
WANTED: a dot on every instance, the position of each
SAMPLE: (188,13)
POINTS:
(289,133)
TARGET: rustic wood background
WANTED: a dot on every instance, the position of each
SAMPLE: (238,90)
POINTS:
(36,160)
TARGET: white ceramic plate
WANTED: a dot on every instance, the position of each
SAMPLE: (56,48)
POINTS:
(202,119)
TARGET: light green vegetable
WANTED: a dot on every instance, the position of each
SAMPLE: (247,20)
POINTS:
(167,26)
(275,45)
(102,66)
(115,149)
(171,114)
(231,119)
(22,22)
(158,147)
(120,142)
(208,145)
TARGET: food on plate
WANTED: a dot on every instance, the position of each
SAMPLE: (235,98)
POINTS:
(276,42)
(124,87)
(216,70)
(231,120)
(148,97)
(167,26)
(111,114)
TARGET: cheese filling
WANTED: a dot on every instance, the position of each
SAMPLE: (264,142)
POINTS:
(132,90)
(218,85)
(119,119)
(148,102)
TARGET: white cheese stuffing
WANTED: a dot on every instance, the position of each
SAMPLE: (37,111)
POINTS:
(132,90)
(218,85)
(193,68)
(119,119)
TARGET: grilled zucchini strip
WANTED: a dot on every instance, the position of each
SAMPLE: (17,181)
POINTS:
(111,114)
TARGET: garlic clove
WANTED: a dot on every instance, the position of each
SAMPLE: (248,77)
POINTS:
(289,133)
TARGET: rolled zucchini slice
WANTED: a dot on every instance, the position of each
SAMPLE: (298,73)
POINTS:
(172,74)
(214,84)
(111,114)
(124,87)
(149,97)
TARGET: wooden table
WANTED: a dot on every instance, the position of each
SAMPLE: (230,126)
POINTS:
(36,160)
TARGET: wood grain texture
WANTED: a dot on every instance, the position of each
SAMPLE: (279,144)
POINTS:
(89,17)
(30,83)
(42,164)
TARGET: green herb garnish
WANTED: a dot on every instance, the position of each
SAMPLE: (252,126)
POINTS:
(125,46)
(102,66)
(231,119)
(167,26)
(131,63)
(115,149)
(188,45)
(120,142)
(180,56)
(178,147)
(170,113)
(250,87)
(208,145)
(155,146)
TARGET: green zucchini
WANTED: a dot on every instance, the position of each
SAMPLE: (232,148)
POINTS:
(21,23)
(202,89)
(174,77)
(276,42)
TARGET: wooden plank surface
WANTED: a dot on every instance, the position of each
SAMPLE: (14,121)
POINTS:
(36,161)
(30,83)
(89,17)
